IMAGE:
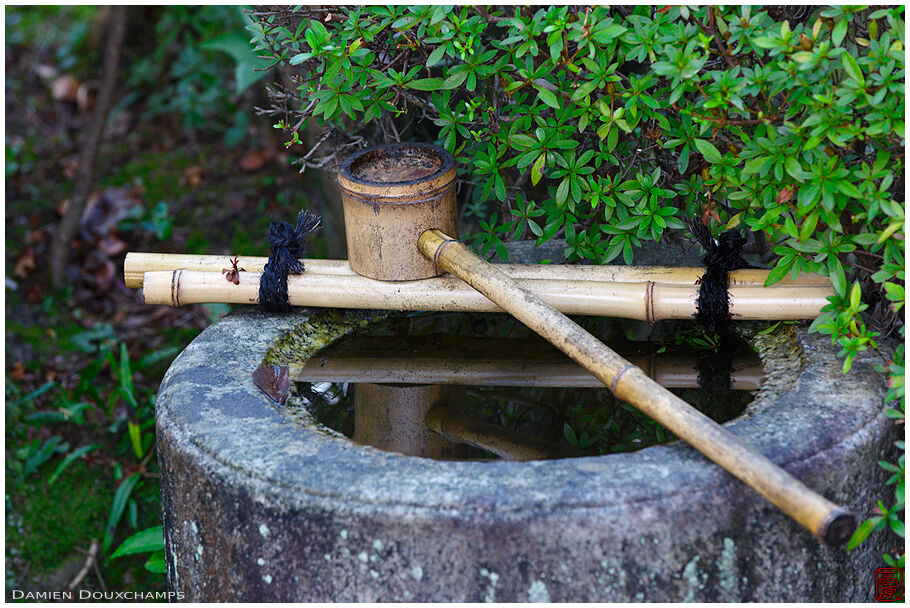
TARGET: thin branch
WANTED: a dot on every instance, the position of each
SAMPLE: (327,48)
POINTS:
(89,562)
(721,43)
(98,574)
(66,229)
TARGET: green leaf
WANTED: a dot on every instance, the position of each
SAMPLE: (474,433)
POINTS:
(855,294)
(895,291)
(316,34)
(426,84)
(454,80)
(135,439)
(436,55)
(121,496)
(150,539)
(562,192)
(612,139)
(547,97)
(605,35)
(537,169)
(848,189)
(299,58)
(840,30)
(156,563)
(765,43)
(682,163)
(70,459)
(126,374)
(837,275)
(569,433)
(34,394)
(707,149)
(848,362)
(756,165)
(501,250)
(40,455)
(794,168)
(808,227)
(862,533)
(781,269)
(852,68)
(246,60)
(521,141)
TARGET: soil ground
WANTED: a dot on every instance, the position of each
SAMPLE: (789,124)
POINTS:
(158,186)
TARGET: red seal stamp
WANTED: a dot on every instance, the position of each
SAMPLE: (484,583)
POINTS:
(889,585)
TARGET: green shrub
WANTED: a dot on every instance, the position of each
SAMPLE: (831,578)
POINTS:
(189,70)
(609,126)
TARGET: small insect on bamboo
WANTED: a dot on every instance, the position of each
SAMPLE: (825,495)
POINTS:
(232,275)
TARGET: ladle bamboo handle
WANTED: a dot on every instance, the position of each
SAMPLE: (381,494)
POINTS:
(829,522)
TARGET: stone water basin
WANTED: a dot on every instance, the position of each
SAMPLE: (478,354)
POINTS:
(260,505)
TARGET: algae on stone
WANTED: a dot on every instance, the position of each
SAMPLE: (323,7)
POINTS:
(317,332)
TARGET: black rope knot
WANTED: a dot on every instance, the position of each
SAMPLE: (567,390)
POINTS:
(723,254)
(287,244)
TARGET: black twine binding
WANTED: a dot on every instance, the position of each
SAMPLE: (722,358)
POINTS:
(287,246)
(722,256)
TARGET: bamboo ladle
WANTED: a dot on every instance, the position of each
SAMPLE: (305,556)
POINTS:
(829,522)
(400,194)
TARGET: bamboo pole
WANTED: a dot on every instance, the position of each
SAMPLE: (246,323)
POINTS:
(137,264)
(643,301)
(829,522)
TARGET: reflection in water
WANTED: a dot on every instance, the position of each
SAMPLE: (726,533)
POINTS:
(416,387)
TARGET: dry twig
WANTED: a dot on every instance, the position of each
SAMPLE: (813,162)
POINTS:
(90,560)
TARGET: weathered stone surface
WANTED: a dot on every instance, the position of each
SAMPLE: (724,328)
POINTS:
(258,507)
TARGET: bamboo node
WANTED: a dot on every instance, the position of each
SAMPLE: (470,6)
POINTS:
(614,383)
(175,287)
(445,243)
(649,302)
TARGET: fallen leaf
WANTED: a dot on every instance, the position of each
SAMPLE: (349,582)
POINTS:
(95,260)
(25,264)
(105,210)
(105,275)
(112,246)
(65,88)
(193,176)
(84,98)
(18,372)
(274,381)
(254,160)
(35,236)
(785,195)
(34,294)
